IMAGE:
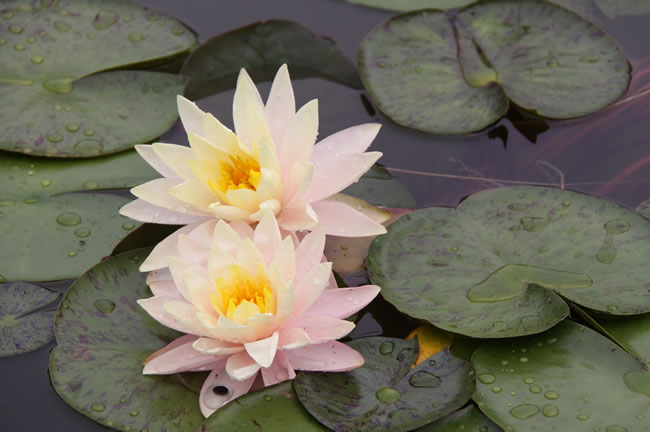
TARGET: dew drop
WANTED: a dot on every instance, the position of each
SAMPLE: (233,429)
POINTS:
(582,417)
(638,381)
(30,200)
(19,47)
(72,127)
(178,31)
(616,227)
(496,389)
(62,26)
(566,203)
(535,389)
(72,254)
(388,395)
(59,85)
(3,41)
(387,348)
(551,395)
(524,411)
(550,411)
(487,378)
(523,359)
(134,413)
(7,203)
(483,429)
(516,207)
(104,19)
(82,232)
(37,59)
(128,226)
(46,182)
(424,379)
(88,147)
(590,58)
(68,219)
(55,138)
(615,428)
(528,380)
(91,185)
(135,36)
(16,29)
(97,407)
(534,224)
(105,306)
(89,132)
(612,308)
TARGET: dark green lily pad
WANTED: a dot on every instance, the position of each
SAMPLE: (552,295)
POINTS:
(48,233)
(54,106)
(146,235)
(494,266)
(569,378)
(632,333)
(273,409)
(378,187)
(103,336)
(20,330)
(468,419)
(453,72)
(262,48)
(386,393)
(409,5)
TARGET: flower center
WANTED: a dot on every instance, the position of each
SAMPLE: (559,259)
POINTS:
(240,173)
(240,295)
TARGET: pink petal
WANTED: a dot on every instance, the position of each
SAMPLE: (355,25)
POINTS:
(263,351)
(241,366)
(216,347)
(355,139)
(331,357)
(310,287)
(309,252)
(248,112)
(150,156)
(162,274)
(224,329)
(142,211)
(285,259)
(155,306)
(157,259)
(179,356)
(299,180)
(335,173)
(242,229)
(176,157)
(343,302)
(299,138)
(280,106)
(297,216)
(211,397)
(292,338)
(192,250)
(267,237)
(339,219)
(165,288)
(322,328)
(279,371)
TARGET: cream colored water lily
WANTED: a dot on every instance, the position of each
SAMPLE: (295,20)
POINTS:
(270,164)
(251,303)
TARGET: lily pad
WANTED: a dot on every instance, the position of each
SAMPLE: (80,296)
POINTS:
(273,409)
(262,48)
(567,379)
(632,333)
(644,209)
(55,106)
(610,8)
(453,72)
(410,5)
(103,337)
(49,233)
(494,266)
(378,187)
(20,330)
(468,419)
(146,235)
(386,393)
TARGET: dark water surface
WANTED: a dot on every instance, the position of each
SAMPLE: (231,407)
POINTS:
(605,154)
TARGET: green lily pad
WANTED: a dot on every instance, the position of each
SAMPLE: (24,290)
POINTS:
(378,187)
(410,5)
(468,419)
(386,393)
(567,379)
(632,333)
(103,337)
(262,48)
(49,233)
(453,72)
(20,330)
(55,106)
(274,408)
(494,266)
(146,235)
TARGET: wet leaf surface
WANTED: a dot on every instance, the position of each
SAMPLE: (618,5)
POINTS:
(494,266)
(468,419)
(633,333)
(48,211)
(568,378)
(103,337)
(386,392)
(55,106)
(21,329)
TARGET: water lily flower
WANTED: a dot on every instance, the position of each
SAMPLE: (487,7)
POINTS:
(269,164)
(251,304)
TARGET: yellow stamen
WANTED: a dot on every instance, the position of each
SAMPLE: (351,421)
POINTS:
(240,295)
(242,172)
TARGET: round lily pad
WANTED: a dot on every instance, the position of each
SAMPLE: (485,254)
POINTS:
(49,233)
(632,333)
(567,379)
(386,393)
(468,419)
(55,106)
(21,330)
(262,48)
(494,266)
(453,72)
(103,337)
(273,409)
(409,5)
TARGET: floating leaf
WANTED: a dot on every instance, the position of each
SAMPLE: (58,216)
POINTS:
(262,48)
(378,187)
(47,233)
(410,5)
(273,409)
(53,105)
(146,235)
(494,266)
(98,370)
(633,333)
(20,330)
(431,341)
(453,73)
(467,419)
(386,393)
(569,378)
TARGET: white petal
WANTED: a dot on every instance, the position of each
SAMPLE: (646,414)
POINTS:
(299,181)
(355,139)
(285,259)
(298,216)
(299,137)
(216,347)
(263,351)
(267,237)
(309,252)
(339,219)
(191,115)
(142,211)
(241,366)
(280,106)
(248,112)
(176,157)
(292,338)
(279,371)
(150,156)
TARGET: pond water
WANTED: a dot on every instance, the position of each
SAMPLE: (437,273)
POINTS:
(604,154)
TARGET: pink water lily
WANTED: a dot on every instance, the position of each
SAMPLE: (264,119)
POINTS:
(251,303)
(269,164)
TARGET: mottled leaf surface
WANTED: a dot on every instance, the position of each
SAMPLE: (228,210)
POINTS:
(21,329)
(103,337)
(468,419)
(453,72)
(386,393)
(494,266)
(261,48)
(569,378)
(55,106)
(273,409)
(52,223)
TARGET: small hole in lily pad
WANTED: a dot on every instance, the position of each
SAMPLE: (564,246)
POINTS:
(220,390)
